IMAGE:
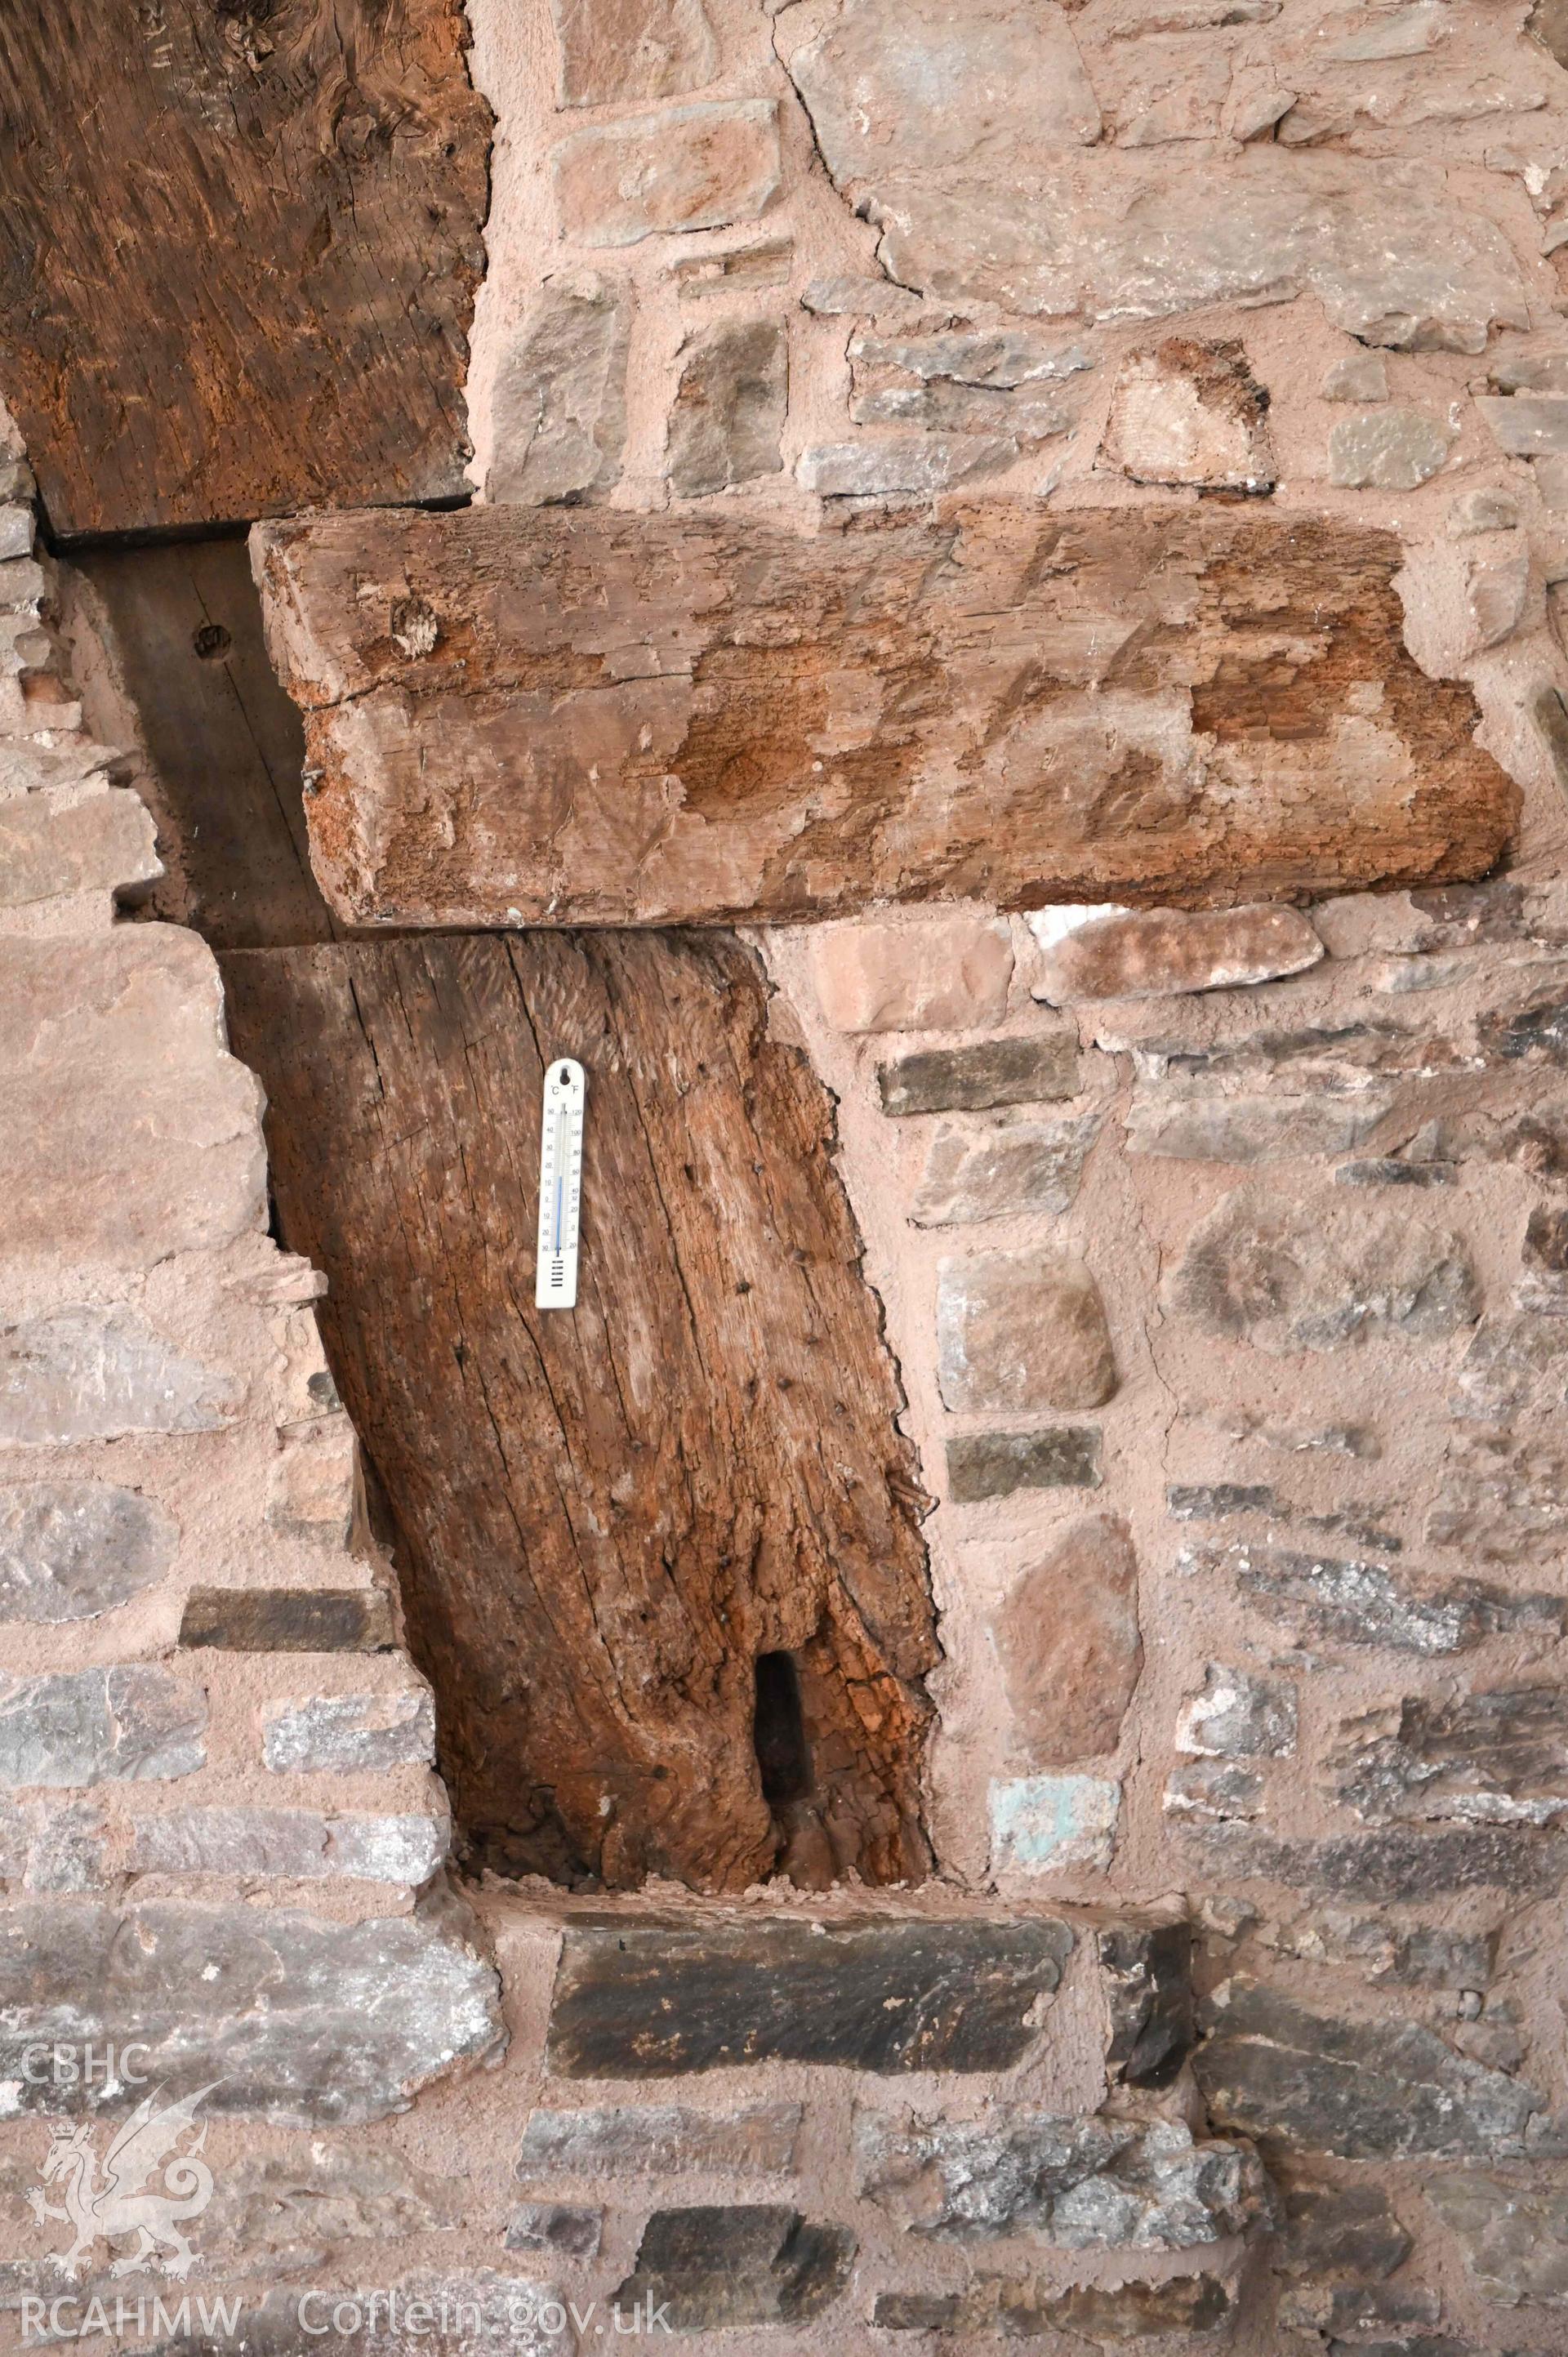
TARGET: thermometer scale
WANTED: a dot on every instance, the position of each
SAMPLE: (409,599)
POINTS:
(559,1187)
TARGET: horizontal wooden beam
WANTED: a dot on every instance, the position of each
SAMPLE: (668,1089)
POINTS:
(554,716)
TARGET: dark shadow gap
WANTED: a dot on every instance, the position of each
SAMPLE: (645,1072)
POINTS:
(778,1731)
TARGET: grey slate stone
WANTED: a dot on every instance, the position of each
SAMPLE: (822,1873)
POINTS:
(1250,1129)
(1538,1032)
(1214,1788)
(1503,1496)
(1513,2236)
(1384,1170)
(1346,2231)
(1499,1757)
(288,1620)
(1356,2309)
(1514,1364)
(1497,591)
(643,1998)
(89,1373)
(1352,1602)
(1008,1168)
(941,407)
(917,2311)
(558,412)
(565,2229)
(1394,450)
(742,269)
(1145,1973)
(66,1849)
(1078,2184)
(727,417)
(912,465)
(874,297)
(1335,1058)
(357,1734)
(988,381)
(69,1550)
(286,2210)
(280,2013)
(299,1845)
(1527,426)
(975,1079)
(121,1725)
(963,150)
(1360,376)
(649,2139)
(1417,2344)
(997,359)
(1365,2090)
(1112,2315)
(1395,1865)
(714,2267)
(1426,1956)
(1543,1286)
(1238,1717)
(1289,1274)
(1493,509)
(984,1465)
(1522,371)
(1213,1501)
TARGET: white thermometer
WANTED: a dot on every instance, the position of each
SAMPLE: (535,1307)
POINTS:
(559,1187)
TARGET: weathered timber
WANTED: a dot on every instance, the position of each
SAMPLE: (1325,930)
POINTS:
(226,751)
(239,253)
(606,1518)
(550,716)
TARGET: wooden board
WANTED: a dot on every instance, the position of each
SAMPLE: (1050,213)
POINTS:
(226,751)
(238,253)
(592,717)
(606,1517)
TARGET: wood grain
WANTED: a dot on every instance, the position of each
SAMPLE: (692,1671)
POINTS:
(593,717)
(605,1517)
(225,748)
(238,253)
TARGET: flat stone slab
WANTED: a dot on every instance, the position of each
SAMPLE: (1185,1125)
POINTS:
(276,2012)
(648,2139)
(641,1998)
(708,2268)
(974,1079)
(1077,2183)
(522,717)
(1366,2090)
(69,1550)
(287,1620)
(131,1020)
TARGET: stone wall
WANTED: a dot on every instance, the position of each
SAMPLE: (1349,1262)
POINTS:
(1223,1255)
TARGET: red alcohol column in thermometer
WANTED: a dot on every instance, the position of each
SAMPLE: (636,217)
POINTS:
(559,1187)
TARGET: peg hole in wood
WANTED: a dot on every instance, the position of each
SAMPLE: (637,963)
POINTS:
(778,1730)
